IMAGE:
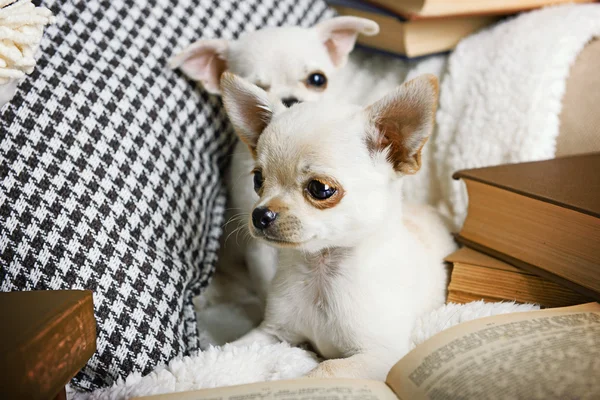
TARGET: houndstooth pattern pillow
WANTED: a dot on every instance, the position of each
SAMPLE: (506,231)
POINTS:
(110,170)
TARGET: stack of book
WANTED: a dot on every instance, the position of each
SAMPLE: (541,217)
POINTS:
(414,28)
(532,233)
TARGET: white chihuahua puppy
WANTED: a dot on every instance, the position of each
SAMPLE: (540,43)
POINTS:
(292,64)
(356,267)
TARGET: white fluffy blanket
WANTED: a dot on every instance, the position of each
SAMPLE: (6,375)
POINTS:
(228,365)
(500,99)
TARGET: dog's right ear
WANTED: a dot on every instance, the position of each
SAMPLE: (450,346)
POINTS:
(339,35)
(403,120)
(203,61)
(249,108)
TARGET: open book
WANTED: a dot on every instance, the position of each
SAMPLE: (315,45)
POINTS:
(551,353)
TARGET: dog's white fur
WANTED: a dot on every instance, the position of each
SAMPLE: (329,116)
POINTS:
(354,273)
(279,60)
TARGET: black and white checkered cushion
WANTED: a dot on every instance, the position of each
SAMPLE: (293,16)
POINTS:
(110,170)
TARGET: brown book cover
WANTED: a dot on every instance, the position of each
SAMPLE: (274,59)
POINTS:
(570,182)
(46,338)
(543,217)
(476,276)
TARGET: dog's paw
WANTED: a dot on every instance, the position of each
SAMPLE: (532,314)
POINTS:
(328,369)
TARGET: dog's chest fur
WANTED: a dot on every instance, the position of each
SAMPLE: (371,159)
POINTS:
(315,294)
(347,301)
(320,272)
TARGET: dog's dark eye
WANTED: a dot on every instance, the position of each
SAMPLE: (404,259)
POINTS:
(320,190)
(317,80)
(258,180)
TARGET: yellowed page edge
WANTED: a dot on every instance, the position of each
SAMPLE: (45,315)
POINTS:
(332,389)
(399,378)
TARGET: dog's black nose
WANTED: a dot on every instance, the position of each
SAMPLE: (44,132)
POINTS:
(289,101)
(262,217)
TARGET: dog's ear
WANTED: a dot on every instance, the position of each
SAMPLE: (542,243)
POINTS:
(249,108)
(339,35)
(403,121)
(203,61)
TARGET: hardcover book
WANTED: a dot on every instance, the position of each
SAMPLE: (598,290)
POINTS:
(476,276)
(47,336)
(443,8)
(543,217)
(408,37)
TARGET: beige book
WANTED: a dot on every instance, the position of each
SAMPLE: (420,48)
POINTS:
(546,354)
(416,38)
(476,276)
(437,8)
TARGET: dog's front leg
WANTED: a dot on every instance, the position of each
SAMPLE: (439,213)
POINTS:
(262,264)
(358,366)
(257,335)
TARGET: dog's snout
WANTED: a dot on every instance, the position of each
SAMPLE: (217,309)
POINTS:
(262,217)
(289,101)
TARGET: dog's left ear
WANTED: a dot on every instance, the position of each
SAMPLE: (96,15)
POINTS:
(403,121)
(203,61)
(339,35)
(249,108)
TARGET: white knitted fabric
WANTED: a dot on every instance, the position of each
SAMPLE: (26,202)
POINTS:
(21,29)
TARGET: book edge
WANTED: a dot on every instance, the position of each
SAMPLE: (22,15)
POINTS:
(548,298)
(500,12)
(529,267)
(470,264)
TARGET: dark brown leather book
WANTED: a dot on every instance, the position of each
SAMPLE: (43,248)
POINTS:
(543,217)
(46,338)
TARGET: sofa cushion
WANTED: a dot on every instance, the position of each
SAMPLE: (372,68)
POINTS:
(579,119)
(110,170)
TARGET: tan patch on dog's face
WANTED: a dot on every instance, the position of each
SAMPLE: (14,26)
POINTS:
(329,202)
(277,205)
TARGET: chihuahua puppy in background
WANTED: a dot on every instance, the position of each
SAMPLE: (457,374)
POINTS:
(357,267)
(293,65)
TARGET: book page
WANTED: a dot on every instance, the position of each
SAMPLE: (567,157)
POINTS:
(551,353)
(300,389)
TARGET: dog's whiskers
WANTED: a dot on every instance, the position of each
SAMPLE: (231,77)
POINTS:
(236,231)
(244,230)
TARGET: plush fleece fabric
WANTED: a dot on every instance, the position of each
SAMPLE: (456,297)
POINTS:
(229,365)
